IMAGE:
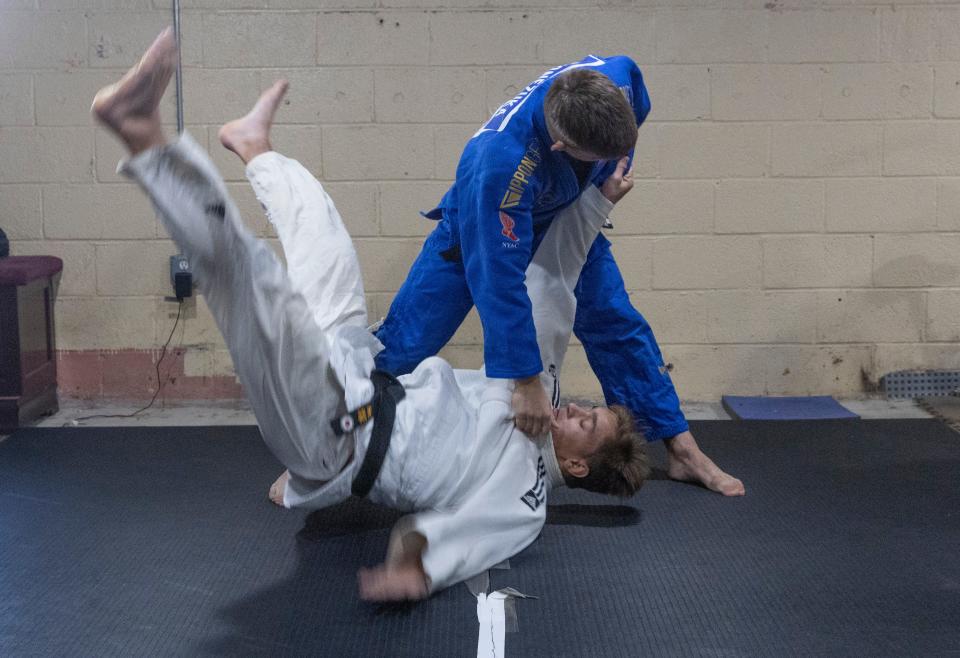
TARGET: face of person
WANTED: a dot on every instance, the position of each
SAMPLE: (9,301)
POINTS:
(578,431)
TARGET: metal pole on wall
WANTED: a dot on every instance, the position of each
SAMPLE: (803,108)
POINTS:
(179,82)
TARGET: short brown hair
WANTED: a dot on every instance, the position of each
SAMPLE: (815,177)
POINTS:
(620,466)
(591,113)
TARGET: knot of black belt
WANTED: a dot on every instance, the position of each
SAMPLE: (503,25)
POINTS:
(382,410)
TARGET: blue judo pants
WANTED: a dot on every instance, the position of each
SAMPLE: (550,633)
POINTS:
(620,345)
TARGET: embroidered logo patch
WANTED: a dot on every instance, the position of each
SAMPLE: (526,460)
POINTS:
(521,177)
(508,225)
(536,496)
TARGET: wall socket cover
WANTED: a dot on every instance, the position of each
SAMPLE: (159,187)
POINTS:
(181,276)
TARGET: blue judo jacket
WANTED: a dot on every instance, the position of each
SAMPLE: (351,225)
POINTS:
(509,187)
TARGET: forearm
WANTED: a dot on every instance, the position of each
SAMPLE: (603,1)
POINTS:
(555,270)
(510,348)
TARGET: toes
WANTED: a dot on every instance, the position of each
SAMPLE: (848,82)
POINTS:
(732,487)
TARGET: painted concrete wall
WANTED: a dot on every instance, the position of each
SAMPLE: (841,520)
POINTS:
(795,228)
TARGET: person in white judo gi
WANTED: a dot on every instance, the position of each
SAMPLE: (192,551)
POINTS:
(449,450)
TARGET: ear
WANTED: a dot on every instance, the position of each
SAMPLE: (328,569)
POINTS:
(576,467)
(558,146)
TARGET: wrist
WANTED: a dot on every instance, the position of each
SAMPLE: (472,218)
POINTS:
(598,197)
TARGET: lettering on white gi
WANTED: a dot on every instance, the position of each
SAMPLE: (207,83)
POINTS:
(537,494)
(555,398)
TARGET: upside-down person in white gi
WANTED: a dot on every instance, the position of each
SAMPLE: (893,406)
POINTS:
(442,443)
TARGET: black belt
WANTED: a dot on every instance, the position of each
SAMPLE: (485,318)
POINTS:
(382,409)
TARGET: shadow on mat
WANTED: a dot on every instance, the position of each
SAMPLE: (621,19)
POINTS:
(593,516)
(657,473)
(314,608)
(351,517)
(357,516)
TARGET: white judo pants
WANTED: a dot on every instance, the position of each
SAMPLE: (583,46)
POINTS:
(273,320)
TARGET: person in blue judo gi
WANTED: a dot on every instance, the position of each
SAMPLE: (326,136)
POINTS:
(540,150)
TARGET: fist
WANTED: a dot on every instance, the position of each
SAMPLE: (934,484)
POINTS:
(532,412)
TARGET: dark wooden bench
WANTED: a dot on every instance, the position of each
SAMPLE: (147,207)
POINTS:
(28,345)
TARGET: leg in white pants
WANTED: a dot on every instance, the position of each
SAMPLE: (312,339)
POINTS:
(321,260)
(279,351)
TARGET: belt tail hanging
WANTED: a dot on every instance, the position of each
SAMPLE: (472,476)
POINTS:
(382,409)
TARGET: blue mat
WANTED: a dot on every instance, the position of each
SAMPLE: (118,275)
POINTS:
(817,407)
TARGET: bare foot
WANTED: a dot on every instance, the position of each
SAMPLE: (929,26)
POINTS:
(130,107)
(687,463)
(249,136)
(278,488)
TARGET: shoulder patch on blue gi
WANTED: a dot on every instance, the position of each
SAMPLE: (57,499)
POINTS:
(521,176)
(536,496)
(501,118)
(508,224)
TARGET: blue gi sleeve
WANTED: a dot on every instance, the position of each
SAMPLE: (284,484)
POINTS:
(640,99)
(633,86)
(496,236)
(627,75)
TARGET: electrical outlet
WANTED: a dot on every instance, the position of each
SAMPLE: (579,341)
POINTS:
(181,277)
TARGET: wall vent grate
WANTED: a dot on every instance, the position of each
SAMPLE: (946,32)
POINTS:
(921,383)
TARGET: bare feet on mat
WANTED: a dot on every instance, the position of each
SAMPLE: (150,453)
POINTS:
(687,463)
(130,106)
(249,136)
(278,488)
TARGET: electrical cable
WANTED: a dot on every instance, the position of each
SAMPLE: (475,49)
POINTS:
(179,98)
(160,385)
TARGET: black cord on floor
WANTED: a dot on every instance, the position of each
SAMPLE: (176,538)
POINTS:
(163,353)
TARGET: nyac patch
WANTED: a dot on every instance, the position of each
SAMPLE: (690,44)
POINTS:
(537,494)
(508,223)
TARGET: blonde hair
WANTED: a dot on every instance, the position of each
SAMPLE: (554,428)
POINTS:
(620,466)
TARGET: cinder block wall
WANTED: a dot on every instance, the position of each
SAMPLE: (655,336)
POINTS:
(795,228)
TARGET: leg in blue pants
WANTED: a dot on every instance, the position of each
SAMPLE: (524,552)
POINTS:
(428,308)
(622,349)
(624,355)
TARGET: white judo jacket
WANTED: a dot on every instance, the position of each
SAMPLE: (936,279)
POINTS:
(477,484)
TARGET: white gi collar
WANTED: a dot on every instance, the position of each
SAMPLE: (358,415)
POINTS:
(550,461)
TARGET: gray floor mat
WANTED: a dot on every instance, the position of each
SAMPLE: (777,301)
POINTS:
(159,541)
